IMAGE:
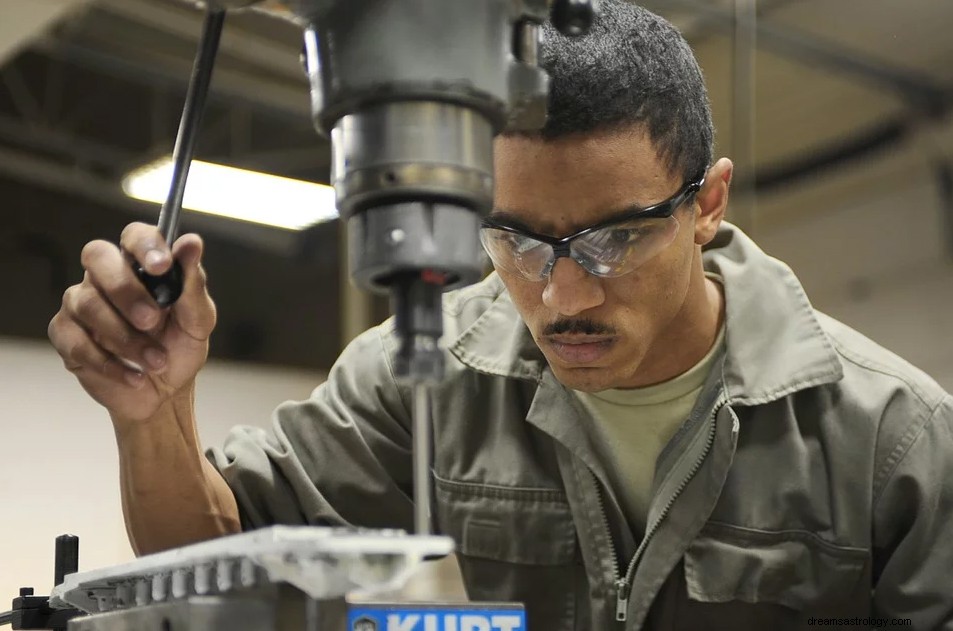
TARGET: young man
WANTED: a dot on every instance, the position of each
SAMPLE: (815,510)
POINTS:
(653,429)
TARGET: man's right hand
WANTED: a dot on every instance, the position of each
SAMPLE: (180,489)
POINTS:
(109,326)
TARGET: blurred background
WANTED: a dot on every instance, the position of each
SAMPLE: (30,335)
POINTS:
(839,116)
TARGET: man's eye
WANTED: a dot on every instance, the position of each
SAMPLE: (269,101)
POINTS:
(623,236)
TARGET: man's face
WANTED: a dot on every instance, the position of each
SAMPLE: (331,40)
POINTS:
(596,333)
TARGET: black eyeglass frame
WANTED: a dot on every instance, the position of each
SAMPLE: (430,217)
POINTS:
(562,245)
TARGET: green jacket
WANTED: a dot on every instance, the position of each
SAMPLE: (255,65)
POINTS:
(814,478)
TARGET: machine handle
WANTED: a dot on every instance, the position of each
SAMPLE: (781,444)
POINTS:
(167,288)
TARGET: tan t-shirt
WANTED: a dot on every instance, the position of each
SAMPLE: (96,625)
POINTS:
(630,428)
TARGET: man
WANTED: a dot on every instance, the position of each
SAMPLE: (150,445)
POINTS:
(653,429)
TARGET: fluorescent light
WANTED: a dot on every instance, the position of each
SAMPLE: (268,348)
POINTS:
(236,193)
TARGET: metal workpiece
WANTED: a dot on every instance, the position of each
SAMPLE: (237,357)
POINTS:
(323,563)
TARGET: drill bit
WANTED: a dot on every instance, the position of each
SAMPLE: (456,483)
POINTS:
(422,458)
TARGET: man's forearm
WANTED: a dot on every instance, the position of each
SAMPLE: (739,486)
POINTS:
(171,495)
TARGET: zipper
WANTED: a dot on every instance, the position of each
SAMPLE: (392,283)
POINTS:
(619,580)
(623,584)
(622,598)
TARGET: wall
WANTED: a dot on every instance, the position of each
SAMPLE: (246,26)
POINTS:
(873,249)
(59,468)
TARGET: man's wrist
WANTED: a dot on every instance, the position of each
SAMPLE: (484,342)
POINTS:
(176,409)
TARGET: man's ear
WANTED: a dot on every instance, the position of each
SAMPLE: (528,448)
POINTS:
(712,201)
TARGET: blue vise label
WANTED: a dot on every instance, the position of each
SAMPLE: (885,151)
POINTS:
(420,617)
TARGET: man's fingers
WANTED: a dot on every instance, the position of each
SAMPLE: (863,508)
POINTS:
(110,331)
(127,352)
(144,243)
(110,273)
(83,357)
(194,311)
(188,249)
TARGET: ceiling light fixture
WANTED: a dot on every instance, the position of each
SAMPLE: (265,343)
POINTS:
(237,194)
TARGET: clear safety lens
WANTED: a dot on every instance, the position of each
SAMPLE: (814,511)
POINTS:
(517,253)
(620,249)
(607,252)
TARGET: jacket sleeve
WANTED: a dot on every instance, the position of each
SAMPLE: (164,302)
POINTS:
(341,458)
(913,527)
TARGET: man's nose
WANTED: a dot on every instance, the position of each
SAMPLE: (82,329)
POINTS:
(571,290)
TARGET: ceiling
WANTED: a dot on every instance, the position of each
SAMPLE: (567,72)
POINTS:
(90,89)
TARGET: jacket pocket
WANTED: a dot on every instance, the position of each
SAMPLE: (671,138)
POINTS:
(515,525)
(515,545)
(796,569)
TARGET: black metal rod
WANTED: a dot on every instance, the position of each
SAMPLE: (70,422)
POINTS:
(167,288)
(66,558)
(6,618)
(191,119)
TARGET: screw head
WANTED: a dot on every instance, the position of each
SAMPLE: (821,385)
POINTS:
(396,236)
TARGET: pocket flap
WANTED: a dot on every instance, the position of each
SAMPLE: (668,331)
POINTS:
(796,569)
(515,525)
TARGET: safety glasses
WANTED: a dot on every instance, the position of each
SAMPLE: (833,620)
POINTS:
(608,249)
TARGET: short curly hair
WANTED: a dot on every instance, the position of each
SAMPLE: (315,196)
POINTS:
(632,67)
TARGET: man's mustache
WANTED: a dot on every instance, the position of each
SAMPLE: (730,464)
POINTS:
(576,326)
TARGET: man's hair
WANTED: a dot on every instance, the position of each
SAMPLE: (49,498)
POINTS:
(632,68)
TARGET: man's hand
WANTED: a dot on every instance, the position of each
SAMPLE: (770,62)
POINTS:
(128,354)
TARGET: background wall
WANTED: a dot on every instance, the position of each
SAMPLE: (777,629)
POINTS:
(59,471)
(876,256)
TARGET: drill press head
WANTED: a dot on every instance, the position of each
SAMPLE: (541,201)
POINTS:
(411,93)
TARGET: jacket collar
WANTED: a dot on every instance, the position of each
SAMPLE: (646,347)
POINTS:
(774,343)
